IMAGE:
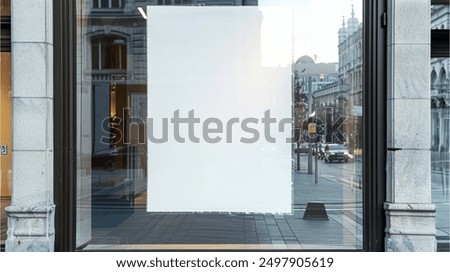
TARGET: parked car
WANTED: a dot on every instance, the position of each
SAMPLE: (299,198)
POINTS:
(335,152)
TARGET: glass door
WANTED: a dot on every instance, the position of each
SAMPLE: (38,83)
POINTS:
(5,118)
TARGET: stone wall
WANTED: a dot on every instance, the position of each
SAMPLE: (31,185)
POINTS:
(30,216)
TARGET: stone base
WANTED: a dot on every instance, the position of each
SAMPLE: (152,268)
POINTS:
(410,227)
(410,243)
(30,229)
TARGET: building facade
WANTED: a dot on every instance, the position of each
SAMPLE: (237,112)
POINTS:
(71,65)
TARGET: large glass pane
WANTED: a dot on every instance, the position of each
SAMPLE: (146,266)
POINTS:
(440,122)
(123,175)
(5,116)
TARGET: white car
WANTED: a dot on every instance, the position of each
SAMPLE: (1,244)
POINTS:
(335,152)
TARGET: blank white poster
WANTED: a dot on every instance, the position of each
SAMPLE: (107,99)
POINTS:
(219,109)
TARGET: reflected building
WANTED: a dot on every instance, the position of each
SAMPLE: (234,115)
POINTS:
(336,87)
(440,98)
(440,123)
(309,79)
(350,60)
(350,97)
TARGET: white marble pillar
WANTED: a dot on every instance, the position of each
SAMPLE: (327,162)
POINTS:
(410,216)
(31,214)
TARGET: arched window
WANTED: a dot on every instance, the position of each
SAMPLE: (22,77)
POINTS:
(359,50)
(442,75)
(433,79)
(109,52)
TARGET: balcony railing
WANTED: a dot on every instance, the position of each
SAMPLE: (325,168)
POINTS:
(100,75)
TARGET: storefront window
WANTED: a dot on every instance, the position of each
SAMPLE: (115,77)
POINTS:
(5,118)
(440,122)
(302,194)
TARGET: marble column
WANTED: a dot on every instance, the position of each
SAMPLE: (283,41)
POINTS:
(31,214)
(410,216)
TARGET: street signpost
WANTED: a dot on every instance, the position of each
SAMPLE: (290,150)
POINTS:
(312,131)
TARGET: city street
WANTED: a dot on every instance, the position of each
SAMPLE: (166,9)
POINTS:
(347,173)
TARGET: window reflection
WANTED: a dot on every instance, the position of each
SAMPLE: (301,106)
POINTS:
(109,52)
(440,122)
(112,145)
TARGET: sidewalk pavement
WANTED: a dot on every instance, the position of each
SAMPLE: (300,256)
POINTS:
(343,230)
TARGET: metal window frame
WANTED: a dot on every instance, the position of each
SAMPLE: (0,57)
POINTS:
(374,123)
(64,114)
(374,46)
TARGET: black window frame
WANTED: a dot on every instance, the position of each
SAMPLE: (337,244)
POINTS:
(374,123)
(374,120)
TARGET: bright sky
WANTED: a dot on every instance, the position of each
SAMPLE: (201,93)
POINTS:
(316,24)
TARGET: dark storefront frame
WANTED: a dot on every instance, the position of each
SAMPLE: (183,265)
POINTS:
(65,123)
(375,85)
(64,27)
